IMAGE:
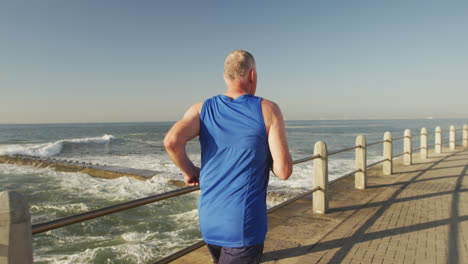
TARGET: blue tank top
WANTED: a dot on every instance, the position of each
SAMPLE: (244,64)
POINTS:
(234,172)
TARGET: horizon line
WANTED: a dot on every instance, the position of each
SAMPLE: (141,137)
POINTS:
(172,121)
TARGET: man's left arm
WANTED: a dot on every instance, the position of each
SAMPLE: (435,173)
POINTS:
(181,132)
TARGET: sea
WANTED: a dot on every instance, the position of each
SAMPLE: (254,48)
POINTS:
(148,233)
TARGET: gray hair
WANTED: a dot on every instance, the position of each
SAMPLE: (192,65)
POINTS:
(238,64)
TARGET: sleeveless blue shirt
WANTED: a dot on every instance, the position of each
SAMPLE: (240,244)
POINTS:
(234,173)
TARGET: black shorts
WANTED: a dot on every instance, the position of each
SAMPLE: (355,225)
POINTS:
(242,255)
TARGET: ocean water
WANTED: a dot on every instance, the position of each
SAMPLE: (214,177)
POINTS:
(147,233)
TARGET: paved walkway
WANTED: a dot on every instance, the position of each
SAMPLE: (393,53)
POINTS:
(417,215)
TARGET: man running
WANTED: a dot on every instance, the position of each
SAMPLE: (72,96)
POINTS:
(242,137)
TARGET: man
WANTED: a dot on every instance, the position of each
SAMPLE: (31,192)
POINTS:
(241,136)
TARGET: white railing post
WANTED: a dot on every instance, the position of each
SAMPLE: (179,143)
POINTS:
(360,178)
(15,229)
(438,140)
(423,143)
(387,154)
(452,142)
(465,136)
(407,148)
(320,197)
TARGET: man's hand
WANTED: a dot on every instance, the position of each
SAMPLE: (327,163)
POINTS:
(193,179)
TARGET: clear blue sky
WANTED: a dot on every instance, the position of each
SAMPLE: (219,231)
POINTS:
(112,61)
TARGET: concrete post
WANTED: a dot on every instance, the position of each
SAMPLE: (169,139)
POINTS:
(438,140)
(407,148)
(15,229)
(387,154)
(360,178)
(320,197)
(465,136)
(423,143)
(452,138)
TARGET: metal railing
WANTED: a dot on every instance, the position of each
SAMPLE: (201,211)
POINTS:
(66,221)
(46,226)
(62,222)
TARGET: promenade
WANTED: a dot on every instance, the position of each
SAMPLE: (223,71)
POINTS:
(416,215)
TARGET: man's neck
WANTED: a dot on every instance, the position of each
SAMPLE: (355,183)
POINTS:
(236,91)
(234,95)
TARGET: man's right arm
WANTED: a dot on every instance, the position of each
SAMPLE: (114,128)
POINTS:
(274,123)
(181,132)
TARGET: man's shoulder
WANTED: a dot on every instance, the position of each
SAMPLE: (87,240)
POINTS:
(271,112)
(195,109)
(269,107)
(198,105)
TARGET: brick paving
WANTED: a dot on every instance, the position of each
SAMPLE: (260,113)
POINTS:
(417,215)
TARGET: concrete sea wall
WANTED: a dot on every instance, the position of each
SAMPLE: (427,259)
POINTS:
(95,170)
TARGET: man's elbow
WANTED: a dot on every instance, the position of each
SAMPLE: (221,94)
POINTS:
(171,142)
(285,171)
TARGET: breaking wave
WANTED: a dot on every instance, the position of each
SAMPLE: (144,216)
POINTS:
(51,148)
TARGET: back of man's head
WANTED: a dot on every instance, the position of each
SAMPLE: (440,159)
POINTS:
(238,64)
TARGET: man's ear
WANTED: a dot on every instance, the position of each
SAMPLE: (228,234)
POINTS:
(252,75)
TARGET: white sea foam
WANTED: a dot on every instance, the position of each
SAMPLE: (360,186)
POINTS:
(137,134)
(49,149)
(83,185)
(86,256)
(139,248)
(186,220)
(118,189)
(138,237)
(67,208)
(157,162)
(14,169)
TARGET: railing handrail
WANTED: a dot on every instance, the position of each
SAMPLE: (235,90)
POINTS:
(73,219)
(61,222)
(306,159)
(398,138)
(375,143)
(342,150)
